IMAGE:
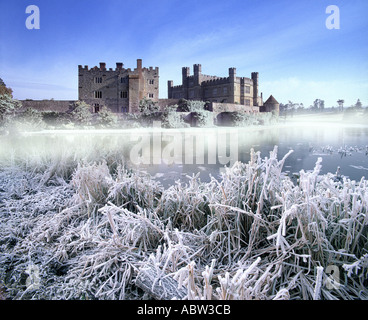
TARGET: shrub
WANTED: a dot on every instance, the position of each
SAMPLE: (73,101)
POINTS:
(8,107)
(106,118)
(171,118)
(81,113)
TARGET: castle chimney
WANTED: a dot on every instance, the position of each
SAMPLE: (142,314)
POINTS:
(139,64)
(102,66)
(255,78)
(119,65)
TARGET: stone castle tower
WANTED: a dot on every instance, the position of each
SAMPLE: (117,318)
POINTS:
(119,89)
(231,89)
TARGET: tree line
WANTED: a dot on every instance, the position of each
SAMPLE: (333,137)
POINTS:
(318,106)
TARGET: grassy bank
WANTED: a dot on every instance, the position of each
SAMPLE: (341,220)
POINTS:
(78,229)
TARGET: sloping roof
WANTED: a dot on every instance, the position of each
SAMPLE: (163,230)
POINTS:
(271,100)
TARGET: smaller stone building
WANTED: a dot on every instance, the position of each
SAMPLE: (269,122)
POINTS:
(119,89)
(271,105)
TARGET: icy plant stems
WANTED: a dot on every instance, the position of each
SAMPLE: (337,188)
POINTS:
(253,234)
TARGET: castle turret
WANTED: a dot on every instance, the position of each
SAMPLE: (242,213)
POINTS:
(197,68)
(197,71)
(232,74)
(185,74)
(170,85)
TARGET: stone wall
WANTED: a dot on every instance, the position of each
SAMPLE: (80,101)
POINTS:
(162,103)
(230,107)
(47,105)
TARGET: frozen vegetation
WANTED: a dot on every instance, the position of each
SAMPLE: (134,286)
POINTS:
(89,228)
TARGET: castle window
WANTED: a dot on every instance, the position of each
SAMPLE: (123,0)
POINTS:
(96,108)
(247,102)
(98,79)
(191,93)
(225,90)
(247,89)
(124,109)
(123,80)
(151,81)
(98,94)
(214,92)
(150,95)
(123,94)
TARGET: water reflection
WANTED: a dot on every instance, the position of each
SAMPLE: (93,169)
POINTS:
(172,154)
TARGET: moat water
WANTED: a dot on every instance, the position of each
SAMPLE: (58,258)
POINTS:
(172,154)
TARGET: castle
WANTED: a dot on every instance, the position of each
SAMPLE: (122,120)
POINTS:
(121,90)
(231,89)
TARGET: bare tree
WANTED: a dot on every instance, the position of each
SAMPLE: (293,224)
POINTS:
(341,104)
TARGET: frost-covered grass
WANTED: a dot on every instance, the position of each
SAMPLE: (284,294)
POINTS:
(72,228)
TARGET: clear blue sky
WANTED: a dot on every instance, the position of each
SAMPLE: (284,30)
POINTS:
(287,42)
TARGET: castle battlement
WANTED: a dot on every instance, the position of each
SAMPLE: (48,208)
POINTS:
(119,67)
(217,81)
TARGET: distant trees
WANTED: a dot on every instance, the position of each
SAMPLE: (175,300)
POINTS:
(4,90)
(341,102)
(358,105)
(8,105)
(290,107)
(318,105)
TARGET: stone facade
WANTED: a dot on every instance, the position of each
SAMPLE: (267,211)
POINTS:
(231,107)
(231,89)
(119,89)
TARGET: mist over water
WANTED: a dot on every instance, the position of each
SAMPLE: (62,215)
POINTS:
(171,154)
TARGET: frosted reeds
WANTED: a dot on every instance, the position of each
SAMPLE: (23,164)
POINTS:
(92,227)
